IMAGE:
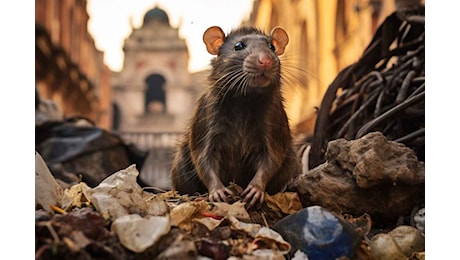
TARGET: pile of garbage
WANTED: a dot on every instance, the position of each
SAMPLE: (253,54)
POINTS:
(118,219)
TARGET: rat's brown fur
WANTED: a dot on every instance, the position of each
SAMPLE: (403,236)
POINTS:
(239,132)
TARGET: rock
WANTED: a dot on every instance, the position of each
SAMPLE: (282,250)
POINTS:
(409,239)
(318,233)
(400,243)
(373,160)
(383,247)
(370,175)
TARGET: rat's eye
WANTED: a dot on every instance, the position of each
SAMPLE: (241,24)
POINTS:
(271,46)
(239,46)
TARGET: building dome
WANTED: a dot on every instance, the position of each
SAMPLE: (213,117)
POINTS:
(156,14)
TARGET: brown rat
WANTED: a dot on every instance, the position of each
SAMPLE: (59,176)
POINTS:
(239,132)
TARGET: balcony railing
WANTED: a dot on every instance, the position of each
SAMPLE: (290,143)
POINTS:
(151,140)
(160,147)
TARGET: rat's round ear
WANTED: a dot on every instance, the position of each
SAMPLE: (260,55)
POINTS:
(280,39)
(213,37)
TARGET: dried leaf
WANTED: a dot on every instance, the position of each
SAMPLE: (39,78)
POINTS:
(209,223)
(236,209)
(273,240)
(270,239)
(181,213)
(286,202)
(75,196)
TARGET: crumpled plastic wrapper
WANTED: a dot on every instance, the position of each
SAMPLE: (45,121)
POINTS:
(137,233)
(120,194)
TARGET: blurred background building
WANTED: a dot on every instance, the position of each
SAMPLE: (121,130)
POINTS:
(325,37)
(150,100)
(69,69)
(154,94)
(154,91)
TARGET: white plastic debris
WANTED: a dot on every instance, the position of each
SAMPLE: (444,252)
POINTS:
(47,190)
(137,233)
(299,255)
(419,219)
(120,194)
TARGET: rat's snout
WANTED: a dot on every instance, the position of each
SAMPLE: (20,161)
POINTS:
(265,61)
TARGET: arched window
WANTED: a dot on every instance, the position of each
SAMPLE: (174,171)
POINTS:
(155,99)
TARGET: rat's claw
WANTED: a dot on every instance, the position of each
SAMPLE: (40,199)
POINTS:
(220,195)
(253,194)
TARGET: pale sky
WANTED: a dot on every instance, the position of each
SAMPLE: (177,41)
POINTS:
(109,23)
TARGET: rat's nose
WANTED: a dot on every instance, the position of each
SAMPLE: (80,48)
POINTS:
(265,61)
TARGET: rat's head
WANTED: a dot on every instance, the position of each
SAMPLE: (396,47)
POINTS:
(246,57)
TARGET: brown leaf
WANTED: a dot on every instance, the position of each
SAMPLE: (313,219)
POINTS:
(286,202)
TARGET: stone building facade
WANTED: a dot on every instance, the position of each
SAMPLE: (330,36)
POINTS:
(154,91)
(325,36)
(155,94)
(69,69)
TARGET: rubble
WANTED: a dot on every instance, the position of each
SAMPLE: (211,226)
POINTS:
(369,175)
(140,222)
(117,219)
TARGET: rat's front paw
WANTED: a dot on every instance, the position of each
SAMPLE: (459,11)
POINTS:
(220,195)
(253,194)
